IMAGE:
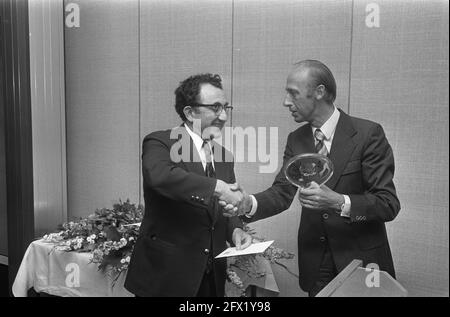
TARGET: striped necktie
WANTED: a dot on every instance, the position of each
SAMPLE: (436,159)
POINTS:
(209,169)
(320,145)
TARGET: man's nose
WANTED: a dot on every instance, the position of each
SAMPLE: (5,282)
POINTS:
(223,115)
(287,101)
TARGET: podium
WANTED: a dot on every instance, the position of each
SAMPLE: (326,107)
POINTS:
(357,281)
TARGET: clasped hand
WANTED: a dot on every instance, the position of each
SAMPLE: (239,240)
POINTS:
(233,199)
(319,197)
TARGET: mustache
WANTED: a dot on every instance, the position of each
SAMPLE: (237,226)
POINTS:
(218,122)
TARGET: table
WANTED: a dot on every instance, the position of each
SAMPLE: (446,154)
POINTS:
(70,274)
(66,274)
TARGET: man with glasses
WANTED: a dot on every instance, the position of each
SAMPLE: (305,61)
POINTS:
(185,172)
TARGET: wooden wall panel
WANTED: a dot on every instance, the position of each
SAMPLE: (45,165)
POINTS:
(268,37)
(3,204)
(102,85)
(127,58)
(400,79)
(48,114)
(18,130)
(179,39)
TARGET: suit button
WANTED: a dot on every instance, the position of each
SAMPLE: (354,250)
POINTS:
(212,228)
(206,251)
(325,216)
(322,239)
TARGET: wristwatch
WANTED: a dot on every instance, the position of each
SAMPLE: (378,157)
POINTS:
(341,208)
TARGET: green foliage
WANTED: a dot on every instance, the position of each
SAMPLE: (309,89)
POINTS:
(110,234)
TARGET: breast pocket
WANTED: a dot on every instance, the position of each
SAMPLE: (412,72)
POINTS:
(157,242)
(352,167)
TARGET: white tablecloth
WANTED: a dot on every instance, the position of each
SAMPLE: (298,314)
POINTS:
(70,274)
(63,273)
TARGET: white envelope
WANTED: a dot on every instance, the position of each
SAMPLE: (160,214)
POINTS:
(259,247)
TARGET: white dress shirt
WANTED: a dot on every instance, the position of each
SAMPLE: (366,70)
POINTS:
(328,129)
(198,143)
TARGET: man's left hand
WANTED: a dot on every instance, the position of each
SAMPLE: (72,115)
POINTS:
(241,239)
(320,197)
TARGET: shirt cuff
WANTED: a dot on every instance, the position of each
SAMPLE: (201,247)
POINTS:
(254,207)
(347,206)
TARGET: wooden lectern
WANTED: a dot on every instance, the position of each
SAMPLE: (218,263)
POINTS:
(357,281)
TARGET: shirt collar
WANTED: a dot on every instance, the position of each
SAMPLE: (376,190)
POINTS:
(329,127)
(198,141)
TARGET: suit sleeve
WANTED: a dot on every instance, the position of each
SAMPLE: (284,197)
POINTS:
(279,196)
(162,175)
(379,201)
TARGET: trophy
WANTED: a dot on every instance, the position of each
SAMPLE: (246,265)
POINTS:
(303,169)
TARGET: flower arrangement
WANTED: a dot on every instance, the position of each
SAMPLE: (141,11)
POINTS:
(248,264)
(110,235)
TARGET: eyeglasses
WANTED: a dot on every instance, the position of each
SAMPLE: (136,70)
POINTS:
(216,107)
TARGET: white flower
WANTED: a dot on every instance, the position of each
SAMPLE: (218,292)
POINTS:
(98,252)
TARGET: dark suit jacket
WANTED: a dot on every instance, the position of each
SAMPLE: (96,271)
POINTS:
(364,168)
(182,224)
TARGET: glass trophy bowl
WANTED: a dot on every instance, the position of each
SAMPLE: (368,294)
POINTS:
(303,169)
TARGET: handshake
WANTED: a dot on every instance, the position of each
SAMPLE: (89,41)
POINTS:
(233,199)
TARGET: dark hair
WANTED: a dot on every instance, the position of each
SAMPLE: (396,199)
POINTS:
(320,74)
(187,93)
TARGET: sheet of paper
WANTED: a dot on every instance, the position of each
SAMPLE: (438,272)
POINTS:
(252,249)
(137,224)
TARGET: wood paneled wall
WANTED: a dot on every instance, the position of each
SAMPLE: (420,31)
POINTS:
(3,204)
(102,104)
(127,57)
(48,114)
(269,36)
(400,79)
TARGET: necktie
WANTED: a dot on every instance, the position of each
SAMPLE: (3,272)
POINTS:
(209,170)
(320,145)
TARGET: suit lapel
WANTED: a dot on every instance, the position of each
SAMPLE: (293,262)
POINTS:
(304,141)
(342,147)
(193,162)
(195,165)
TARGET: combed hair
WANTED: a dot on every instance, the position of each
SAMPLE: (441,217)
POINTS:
(321,75)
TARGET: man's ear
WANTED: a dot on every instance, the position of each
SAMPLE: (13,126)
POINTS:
(189,113)
(320,92)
